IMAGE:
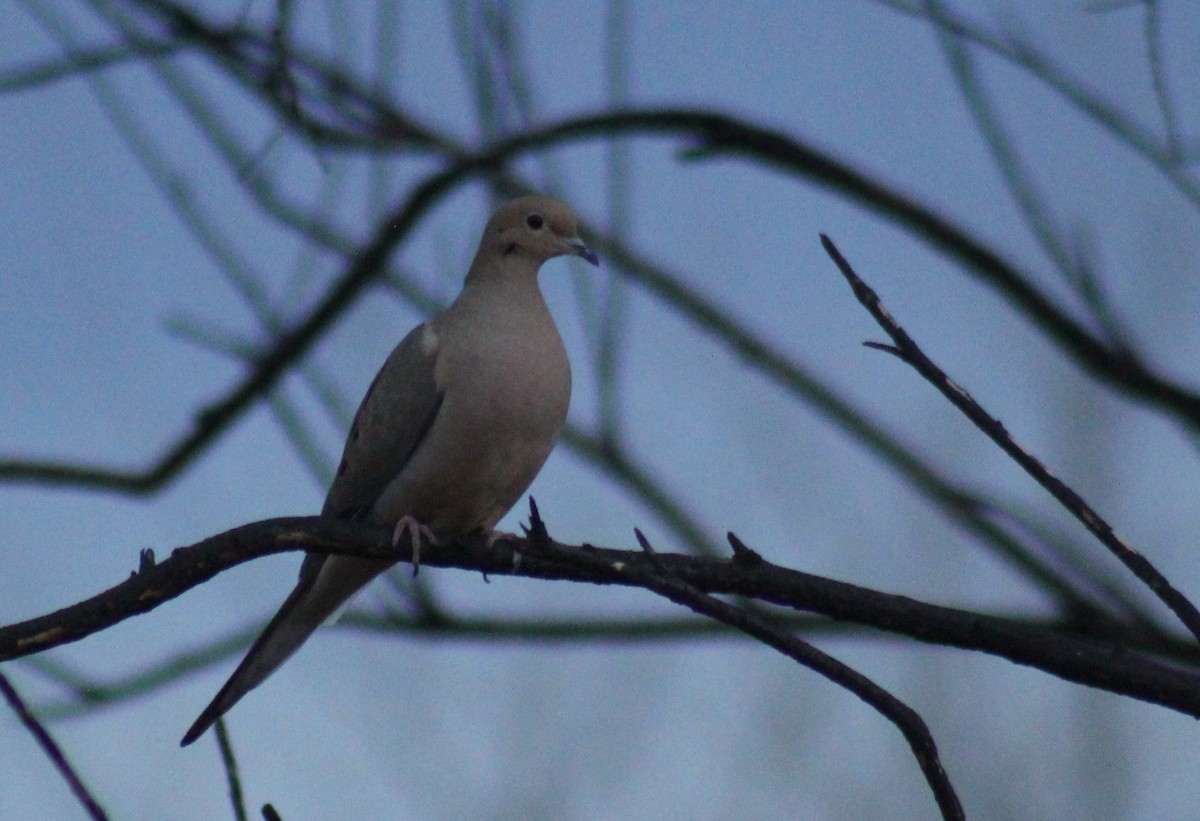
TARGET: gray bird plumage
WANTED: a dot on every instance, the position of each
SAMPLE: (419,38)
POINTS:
(454,428)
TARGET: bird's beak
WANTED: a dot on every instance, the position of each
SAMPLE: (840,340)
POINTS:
(578,248)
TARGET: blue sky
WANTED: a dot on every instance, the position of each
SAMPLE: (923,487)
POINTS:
(98,273)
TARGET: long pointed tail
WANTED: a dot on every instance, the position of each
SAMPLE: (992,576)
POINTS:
(325,585)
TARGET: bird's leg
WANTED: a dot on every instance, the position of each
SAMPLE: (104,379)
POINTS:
(495,536)
(416,531)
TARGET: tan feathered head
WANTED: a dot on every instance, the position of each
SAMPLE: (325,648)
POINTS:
(533,230)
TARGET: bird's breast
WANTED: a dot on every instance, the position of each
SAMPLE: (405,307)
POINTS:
(505,387)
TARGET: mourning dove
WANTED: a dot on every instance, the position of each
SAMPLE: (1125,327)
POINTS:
(455,427)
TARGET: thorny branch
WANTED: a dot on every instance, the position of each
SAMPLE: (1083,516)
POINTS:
(1095,663)
(661,581)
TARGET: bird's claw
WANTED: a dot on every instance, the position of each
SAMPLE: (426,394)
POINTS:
(416,532)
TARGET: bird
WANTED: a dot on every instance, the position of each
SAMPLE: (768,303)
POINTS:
(452,431)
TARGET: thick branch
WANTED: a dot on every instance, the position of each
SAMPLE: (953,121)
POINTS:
(1115,668)
(774,635)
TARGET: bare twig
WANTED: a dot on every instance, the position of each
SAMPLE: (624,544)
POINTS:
(51,749)
(1025,55)
(716,134)
(1069,257)
(83,61)
(1158,74)
(659,579)
(232,776)
(908,351)
(86,693)
(722,135)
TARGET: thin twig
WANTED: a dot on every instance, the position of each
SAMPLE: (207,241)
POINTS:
(1069,258)
(909,352)
(81,61)
(51,749)
(722,135)
(232,776)
(291,345)
(990,125)
(626,471)
(659,579)
(717,135)
(1024,55)
(1158,74)
(87,694)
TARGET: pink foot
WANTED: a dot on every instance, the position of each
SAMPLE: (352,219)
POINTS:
(416,532)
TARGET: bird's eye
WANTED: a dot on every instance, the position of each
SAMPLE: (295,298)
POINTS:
(535,221)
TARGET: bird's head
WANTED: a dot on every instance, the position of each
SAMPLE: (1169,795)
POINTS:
(533,230)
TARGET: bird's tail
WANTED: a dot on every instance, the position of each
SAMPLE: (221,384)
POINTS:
(326,584)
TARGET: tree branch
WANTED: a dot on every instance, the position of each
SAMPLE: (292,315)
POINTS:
(52,751)
(907,350)
(768,632)
(713,134)
(1102,664)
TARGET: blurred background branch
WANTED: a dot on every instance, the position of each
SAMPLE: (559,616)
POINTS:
(310,123)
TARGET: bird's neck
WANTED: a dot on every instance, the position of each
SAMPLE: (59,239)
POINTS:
(510,278)
(503,296)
